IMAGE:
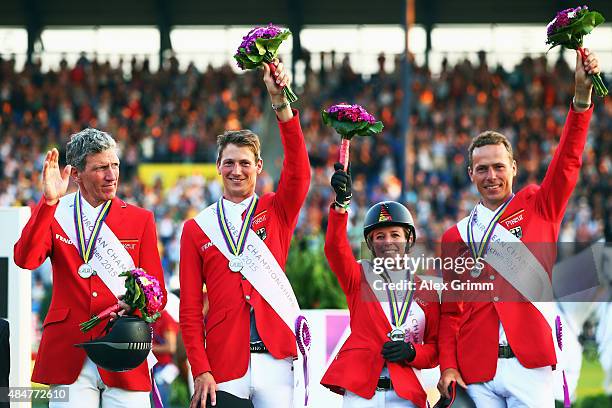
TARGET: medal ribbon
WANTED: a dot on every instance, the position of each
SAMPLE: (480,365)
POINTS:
(236,247)
(399,315)
(86,248)
(478,251)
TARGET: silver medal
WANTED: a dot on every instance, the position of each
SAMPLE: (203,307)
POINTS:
(396,334)
(476,271)
(85,271)
(235,264)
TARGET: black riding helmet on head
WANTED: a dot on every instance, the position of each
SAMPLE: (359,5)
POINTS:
(386,214)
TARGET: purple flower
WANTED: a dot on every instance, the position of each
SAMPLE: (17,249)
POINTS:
(248,41)
(352,113)
(151,290)
(564,18)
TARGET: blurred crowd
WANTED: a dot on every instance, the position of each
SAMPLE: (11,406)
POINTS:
(174,115)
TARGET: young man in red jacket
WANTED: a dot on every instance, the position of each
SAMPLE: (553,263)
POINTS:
(86,266)
(502,342)
(244,347)
(394,323)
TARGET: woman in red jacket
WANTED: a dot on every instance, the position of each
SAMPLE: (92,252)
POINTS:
(394,324)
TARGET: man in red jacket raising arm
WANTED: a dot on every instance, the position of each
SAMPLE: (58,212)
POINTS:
(238,247)
(502,343)
(85,270)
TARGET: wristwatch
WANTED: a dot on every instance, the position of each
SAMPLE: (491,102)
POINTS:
(283,105)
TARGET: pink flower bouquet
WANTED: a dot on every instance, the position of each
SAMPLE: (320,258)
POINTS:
(143,293)
(348,121)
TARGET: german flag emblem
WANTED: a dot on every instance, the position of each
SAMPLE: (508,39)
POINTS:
(384,214)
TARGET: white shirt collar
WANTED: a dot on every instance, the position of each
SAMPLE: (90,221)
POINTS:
(90,209)
(485,210)
(243,204)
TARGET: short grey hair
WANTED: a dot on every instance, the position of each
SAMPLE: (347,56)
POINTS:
(87,141)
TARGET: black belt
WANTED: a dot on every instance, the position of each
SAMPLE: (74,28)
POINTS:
(258,347)
(505,352)
(384,383)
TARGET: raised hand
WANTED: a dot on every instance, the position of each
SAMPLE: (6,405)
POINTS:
(55,182)
(275,81)
(584,83)
(341,183)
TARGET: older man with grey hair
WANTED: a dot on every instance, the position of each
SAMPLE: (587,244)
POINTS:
(90,236)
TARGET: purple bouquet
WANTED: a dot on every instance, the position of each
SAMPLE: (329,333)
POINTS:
(568,29)
(260,46)
(348,121)
(143,293)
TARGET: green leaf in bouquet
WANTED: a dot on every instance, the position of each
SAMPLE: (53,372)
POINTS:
(255,58)
(274,45)
(260,45)
(129,296)
(361,126)
(327,118)
(137,294)
(151,319)
(245,62)
(587,22)
(283,36)
(270,45)
(275,40)
(139,298)
(374,128)
(560,37)
(345,129)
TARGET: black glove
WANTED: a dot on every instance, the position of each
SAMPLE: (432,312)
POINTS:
(398,351)
(341,183)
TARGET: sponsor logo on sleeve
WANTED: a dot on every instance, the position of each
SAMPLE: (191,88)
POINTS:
(63,239)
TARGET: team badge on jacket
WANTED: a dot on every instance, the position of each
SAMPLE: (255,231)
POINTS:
(261,233)
(511,221)
(517,232)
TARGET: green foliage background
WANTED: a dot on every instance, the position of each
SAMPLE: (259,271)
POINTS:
(315,285)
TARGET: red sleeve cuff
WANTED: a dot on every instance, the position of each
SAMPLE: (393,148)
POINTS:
(292,124)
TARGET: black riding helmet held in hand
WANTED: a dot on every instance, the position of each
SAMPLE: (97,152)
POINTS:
(124,348)
(386,214)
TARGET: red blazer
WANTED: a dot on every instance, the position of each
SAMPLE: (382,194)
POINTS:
(222,345)
(359,362)
(74,299)
(469,331)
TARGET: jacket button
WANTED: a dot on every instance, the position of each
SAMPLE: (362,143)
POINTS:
(492,277)
(247,297)
(94,294)
(496,298)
